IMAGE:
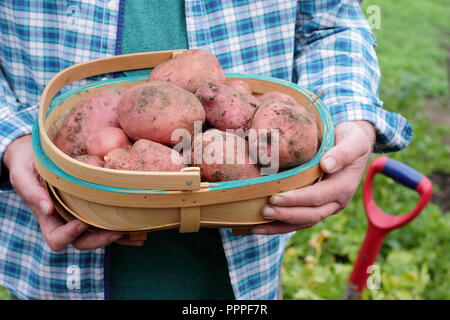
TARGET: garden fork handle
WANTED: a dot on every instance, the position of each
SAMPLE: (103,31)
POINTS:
(366,257)
(380,223)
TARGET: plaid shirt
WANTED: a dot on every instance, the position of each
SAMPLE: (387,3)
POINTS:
(324,45)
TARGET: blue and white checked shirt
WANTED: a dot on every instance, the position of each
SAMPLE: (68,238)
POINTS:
(324,45)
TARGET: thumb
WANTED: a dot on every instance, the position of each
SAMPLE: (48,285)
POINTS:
(351,142)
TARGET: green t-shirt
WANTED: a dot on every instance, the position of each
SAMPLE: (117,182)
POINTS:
(170,265)
(153,26)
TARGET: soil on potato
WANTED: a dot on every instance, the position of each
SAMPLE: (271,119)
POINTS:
(441,192)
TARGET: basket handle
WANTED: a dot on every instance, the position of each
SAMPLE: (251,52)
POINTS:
(101,66)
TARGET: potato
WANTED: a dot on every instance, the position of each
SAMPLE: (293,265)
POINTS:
(190,69)
(105,140)
(90,115)
(90,159)
(155,109)
(119,159)
(239,85)
(219,163)
(226,108)
(298,131)
(144,155)
(276,95)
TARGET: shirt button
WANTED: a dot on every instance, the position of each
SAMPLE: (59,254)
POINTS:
(112,5)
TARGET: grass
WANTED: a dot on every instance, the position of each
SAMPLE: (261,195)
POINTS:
(4,294)
(414,262)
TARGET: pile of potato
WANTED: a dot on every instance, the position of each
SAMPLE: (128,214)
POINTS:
(132,129)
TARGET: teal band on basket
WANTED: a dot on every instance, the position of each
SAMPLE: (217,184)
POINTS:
(326,144)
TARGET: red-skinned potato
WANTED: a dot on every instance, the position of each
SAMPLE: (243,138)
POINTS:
(105,140)
(276,95)
(144,155)
(226,108)
(155,109)
(239,85)
(90,115)
(90,159)
(218,162)
(190,69)
(297,129)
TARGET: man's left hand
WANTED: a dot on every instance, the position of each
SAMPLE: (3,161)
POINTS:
(344,165)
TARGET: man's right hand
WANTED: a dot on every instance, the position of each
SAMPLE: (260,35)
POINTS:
(58,233)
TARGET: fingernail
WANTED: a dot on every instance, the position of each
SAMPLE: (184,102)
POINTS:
(260,230)
(329,164)
(115,237)
(44,206)
(269,212)
(276,199)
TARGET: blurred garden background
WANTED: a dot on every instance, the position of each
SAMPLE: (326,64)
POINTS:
(414,53)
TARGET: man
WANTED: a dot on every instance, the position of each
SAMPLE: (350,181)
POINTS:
(324,45)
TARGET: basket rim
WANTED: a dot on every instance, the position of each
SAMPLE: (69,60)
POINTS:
(326,143)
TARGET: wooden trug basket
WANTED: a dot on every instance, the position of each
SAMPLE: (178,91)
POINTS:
(132,201)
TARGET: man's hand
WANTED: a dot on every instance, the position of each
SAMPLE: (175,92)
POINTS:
(344,165)
(57,233)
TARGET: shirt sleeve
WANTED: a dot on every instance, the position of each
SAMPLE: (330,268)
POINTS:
(16,120)
(335,55)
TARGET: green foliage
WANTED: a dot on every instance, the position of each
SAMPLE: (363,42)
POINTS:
(415,260)
(4,294)
(411,47)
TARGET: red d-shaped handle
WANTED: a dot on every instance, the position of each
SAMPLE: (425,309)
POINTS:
(380,223)
(404,175)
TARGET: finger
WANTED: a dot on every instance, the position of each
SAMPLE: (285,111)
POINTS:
(279,227)
(300,215)
(57,233)
(40,179)
(351,143)
(126,241)
(25,181)
(97,239)
(338,187)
